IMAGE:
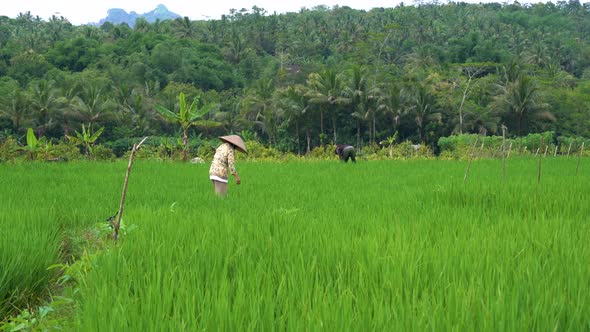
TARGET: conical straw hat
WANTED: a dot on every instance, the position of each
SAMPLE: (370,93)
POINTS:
(236,141)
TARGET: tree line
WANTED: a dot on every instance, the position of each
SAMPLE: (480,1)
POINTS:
(295,81)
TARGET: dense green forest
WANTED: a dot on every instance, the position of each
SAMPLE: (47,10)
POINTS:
(298,80)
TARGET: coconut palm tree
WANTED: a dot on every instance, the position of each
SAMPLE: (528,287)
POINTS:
(184,27)
(423,105)
(45,104)
(356,91)
(16,108)
(326,91)
(260,108)
(92,106)
(521,99)
(392,102)
(296,104)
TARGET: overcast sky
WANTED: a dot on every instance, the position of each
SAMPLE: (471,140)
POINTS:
(82,11)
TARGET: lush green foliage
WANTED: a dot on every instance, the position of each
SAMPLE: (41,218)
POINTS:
(311,245)
(300,80)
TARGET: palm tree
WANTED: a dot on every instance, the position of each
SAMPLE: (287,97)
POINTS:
(187,117)
(92,106)
(391,102)
(296,104)
(356,91)
(16,108)
(184,27)
(260,108)
(231,120)
(521,99)
(326,90)
(45,103)
(423,104)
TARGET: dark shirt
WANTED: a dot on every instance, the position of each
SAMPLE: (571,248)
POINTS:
(345,152)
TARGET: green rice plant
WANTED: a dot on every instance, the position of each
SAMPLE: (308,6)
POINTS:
(323,245)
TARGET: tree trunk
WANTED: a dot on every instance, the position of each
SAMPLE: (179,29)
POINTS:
(334,125)
(322,124)
(358,133)
(185,143)
(308,137)
(298,142)
(374,128)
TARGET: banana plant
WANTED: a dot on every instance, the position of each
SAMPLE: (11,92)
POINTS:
(86,139)
(167,146)
(390,141)
(187,117)
(33,144)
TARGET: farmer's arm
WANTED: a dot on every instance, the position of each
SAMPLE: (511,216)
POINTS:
(231,163)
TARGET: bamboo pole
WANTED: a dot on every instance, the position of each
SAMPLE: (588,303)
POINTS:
(509,150)
(470,158)
(555,153)
(503,152)
(117,223)
(569,148)
(546,147)
(580,157)
(539,168)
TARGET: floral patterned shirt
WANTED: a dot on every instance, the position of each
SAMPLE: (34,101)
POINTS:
(222,161)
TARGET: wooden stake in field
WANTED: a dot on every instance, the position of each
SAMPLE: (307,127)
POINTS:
(503,152)
(546,148)
(580,157)
(539,168)
(117,222)
(555,153)
(470,158)
(569,148)
(509,149)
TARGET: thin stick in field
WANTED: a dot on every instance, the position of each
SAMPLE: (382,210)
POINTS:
(503,151)
(470,158)
(539,168)
(580,157)
(117,223)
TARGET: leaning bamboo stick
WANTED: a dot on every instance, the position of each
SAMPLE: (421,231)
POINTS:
(539,168)
(117,223)
(503,152)
(470,158)
(580,157)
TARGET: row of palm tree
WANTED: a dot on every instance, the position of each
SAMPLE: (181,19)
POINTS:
(348,99)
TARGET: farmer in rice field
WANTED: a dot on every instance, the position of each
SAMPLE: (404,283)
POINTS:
(345,152)
(223,161)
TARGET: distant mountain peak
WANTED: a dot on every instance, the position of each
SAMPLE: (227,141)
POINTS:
(118,16)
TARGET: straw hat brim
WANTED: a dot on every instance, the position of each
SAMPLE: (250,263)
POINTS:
(236,141)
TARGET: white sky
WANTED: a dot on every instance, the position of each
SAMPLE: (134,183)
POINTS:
(83,11)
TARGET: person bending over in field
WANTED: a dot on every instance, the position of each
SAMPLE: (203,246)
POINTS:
(223,161)
(345,152)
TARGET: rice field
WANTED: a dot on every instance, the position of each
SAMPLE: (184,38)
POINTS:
(383,245)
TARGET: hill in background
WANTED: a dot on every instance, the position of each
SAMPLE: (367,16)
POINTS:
(118,15)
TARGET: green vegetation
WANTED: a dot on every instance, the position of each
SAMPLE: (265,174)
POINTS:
(300,80)
(305,245)
(401,242)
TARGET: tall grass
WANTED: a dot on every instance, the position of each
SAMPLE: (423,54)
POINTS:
(326,245)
